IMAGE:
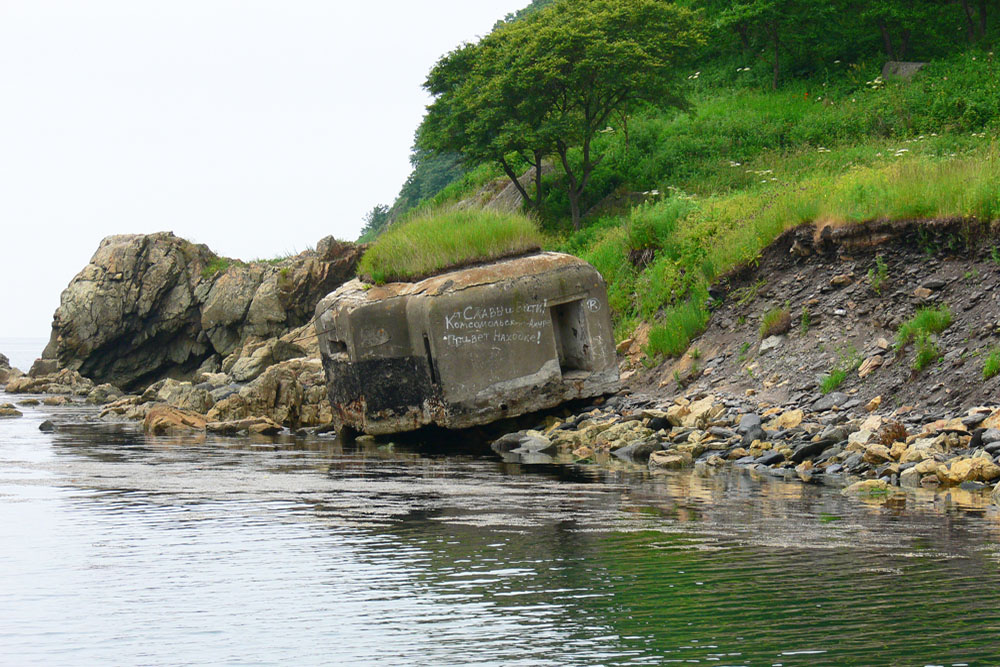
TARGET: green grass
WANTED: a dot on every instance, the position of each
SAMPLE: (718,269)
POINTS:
(848,361)
(992,364)
(927,351)
(748,163)
(679,325)
(217,266)
(832,380)
(775,321)
(926,321)
(432,242)
(805,320)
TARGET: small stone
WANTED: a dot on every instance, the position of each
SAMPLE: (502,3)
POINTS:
(990,436)
(748,422)
(873,404)
(669,460)
(624,346)
(830,401)
(877,454)
(770,458)
(789,419)
(841,280)
(771,343)
(869,365)
(583,452)
(861,437)
(872,423)
(47,426)
(166,420)
(909,478)
(922,293)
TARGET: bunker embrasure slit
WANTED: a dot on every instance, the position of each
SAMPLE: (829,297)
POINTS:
(430,360)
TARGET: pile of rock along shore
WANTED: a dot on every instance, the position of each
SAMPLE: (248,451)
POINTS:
(832,439)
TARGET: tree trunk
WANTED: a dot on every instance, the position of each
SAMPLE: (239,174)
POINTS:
(538,180)
(886,40)
(744,33)
(517,183)
(574,207)
(904,47)
(982,19)
(970,23)
(777,59)
(574,188)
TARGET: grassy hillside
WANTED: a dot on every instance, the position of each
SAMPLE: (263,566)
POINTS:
(747,162)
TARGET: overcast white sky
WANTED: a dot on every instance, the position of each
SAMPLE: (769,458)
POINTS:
(254,126)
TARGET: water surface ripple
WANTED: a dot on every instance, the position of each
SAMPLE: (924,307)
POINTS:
(122,549)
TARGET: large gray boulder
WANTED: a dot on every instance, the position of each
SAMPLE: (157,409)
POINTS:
(152,306)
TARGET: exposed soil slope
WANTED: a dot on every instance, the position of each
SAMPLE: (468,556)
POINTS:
(826,271)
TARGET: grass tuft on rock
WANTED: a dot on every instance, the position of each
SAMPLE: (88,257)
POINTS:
(776,321)
(442,240)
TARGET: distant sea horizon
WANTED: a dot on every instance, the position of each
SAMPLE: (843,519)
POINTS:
(22,350)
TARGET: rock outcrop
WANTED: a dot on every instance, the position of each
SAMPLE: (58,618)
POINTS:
(5,369)
(153,306)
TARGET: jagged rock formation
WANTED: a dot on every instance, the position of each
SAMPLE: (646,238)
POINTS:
(153,306)
(4,369)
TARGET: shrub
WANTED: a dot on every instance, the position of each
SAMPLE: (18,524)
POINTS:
(992,364)
(431,243)
(775,321)
(878,274)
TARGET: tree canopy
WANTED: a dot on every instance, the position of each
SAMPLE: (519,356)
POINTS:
(546,84)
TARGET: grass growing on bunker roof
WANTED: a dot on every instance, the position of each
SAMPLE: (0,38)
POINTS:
(432,242)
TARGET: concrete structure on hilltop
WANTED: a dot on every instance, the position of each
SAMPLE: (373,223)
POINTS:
(467,347)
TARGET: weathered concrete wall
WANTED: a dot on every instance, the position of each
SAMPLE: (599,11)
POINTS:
(467,347)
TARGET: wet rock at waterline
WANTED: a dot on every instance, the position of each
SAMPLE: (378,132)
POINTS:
(8,411)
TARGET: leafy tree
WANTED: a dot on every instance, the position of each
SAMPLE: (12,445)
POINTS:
(375,221)
(546,84)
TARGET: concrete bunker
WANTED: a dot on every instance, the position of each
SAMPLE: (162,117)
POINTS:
(467,347)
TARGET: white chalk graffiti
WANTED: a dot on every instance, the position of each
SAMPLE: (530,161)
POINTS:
(503,324)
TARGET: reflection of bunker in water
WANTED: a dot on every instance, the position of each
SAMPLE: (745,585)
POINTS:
(467,347)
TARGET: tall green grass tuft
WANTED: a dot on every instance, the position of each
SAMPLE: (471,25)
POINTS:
(432,242)
(925,322)
(679,325)
(992,364)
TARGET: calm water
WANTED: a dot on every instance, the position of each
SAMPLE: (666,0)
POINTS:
(118,549)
